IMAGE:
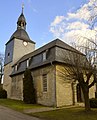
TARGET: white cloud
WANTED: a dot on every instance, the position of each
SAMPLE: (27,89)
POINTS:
(79,36)
(82,13)
(85,12)
(57,20)
(75,26)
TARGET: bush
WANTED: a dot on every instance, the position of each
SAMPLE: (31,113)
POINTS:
(29,92)
(3,93)
(93,103)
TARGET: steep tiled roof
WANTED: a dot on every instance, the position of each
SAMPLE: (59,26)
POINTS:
(21,33)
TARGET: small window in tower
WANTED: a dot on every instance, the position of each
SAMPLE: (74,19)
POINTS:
(8,55)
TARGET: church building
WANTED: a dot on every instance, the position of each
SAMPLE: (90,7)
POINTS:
(44,64)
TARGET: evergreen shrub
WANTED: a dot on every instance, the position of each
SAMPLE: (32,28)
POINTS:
(29,92)
(3,93)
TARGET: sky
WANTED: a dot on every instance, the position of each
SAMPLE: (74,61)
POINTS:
(46,19)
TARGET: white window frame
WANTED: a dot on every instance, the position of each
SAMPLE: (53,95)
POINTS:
(16,67)
(44,56)
(27,63)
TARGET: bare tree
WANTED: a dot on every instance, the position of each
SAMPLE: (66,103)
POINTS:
(79,68)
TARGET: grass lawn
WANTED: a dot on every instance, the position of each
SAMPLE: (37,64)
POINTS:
(17,105)
(59,114)
(68,114)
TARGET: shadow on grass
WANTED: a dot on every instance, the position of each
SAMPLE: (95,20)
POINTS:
(83,112)
(68,114)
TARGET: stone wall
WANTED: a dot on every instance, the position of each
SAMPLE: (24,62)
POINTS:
(92,90)
(16,50)
(66,92)
(7,79)
(64,88)
(60,91)
(17,87)
(20,50)
(45,98)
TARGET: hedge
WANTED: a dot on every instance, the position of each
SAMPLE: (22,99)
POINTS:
(93,103)
(3,93)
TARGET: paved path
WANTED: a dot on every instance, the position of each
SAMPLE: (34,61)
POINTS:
(43,109)
(9,114)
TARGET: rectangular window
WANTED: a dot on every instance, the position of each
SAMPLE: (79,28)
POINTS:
(27,63)
(30,60)
(18,65)
(16,68)
(45,83)
(8,55)
(44,56)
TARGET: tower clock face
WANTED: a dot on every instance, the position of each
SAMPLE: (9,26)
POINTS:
(25,43)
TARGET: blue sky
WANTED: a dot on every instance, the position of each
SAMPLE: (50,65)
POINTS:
(39,16)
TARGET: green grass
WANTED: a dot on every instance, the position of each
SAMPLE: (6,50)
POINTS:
(68,114)
(18,105)
(59,114)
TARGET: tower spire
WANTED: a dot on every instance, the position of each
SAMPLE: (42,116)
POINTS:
(22,7)
(21,23)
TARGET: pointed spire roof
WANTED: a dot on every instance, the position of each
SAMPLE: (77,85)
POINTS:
(21,23)
(21,33)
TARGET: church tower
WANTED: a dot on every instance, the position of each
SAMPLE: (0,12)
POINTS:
(18,45)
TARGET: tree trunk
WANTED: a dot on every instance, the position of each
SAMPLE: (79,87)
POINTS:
(85,90)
